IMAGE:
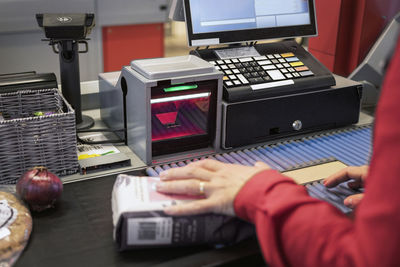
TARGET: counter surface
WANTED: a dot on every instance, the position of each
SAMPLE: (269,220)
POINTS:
(78,232)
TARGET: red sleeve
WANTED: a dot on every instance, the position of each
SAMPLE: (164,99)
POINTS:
(295,229)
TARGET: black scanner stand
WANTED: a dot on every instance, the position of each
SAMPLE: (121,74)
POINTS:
(65,32)
(70,80)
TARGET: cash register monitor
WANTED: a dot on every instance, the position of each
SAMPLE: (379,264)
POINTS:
(213,22)
(254,70)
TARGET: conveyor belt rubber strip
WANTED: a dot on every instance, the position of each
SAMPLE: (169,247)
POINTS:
(351,146)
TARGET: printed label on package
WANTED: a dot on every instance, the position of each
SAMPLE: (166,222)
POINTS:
(149,231)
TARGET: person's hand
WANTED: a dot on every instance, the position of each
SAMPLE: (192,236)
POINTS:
(357,175)
(218,182)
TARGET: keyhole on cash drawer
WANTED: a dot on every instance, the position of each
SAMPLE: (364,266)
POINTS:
(297,125)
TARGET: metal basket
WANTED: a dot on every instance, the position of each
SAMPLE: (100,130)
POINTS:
(37,129)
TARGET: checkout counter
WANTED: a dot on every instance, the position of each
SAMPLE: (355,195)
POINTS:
(78,232)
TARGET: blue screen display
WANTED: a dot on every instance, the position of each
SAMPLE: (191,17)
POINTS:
(229,15)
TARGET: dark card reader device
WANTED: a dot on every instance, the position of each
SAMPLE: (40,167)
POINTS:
(65,32)
(167,105)
(66,26)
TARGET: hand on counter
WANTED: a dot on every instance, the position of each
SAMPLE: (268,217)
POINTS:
(218,182)
(357,175)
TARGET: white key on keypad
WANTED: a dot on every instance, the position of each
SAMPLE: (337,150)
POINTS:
(269,67)
(245,59)
(271,84)
(275,74)
(260,58)
(242,79)
(264,62)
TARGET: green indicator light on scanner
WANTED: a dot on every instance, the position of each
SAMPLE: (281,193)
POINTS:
(180,88)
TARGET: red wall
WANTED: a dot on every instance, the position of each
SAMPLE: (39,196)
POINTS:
(348,29)
(122,44)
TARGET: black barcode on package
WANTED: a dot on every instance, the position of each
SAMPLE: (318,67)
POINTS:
(85,148)
(147,230)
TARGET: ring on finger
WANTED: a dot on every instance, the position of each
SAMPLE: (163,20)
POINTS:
(201,188)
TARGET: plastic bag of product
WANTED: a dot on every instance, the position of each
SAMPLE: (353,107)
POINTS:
(15,226)
(139,220)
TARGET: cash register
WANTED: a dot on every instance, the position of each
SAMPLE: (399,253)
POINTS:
(271,89)
(266,90)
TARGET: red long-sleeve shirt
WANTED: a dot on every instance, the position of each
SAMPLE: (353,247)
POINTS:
(294,229)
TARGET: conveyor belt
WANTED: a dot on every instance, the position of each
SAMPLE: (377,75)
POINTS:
(351,146)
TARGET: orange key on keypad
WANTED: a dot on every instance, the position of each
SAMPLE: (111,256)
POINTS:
(287,55)
(303,68)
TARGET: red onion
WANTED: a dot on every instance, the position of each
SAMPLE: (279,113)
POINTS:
(39,188)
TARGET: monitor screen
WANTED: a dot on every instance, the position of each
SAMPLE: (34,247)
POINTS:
(212,22)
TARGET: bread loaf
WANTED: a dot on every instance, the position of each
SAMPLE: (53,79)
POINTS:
(15,228)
